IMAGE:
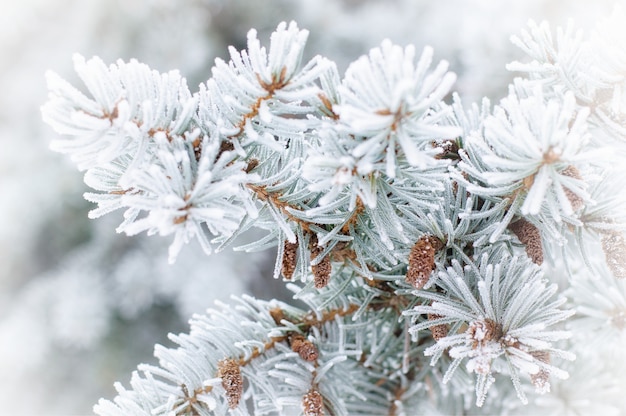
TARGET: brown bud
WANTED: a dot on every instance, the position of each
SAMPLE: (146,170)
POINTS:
(422,261)
(575,200)
(290,257)
(313,403)
(226,146)
(614,248)
(449,149)
(252,163)
(438,331)
(484,331)
(232,381)
(529,235)
(305,348)
(277,315)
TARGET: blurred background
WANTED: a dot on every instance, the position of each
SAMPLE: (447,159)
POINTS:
(81,306)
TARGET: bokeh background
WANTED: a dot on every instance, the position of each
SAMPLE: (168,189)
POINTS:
(81,306)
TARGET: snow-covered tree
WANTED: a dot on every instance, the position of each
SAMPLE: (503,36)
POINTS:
(444,258)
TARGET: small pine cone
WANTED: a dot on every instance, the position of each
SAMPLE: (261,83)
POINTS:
(529,235)
(290,256)
(321,271)
(614,248)
(232,381)
(422,261)
(313,403)
(305,348)
(438,331)
(576,201)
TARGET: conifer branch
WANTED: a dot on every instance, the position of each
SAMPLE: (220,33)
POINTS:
(400,213)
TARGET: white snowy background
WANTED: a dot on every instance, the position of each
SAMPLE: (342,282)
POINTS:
(81,306)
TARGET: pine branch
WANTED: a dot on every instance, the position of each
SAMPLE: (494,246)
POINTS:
(417,227)
(209,369)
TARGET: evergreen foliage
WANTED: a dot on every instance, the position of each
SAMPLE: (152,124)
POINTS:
(410,226)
